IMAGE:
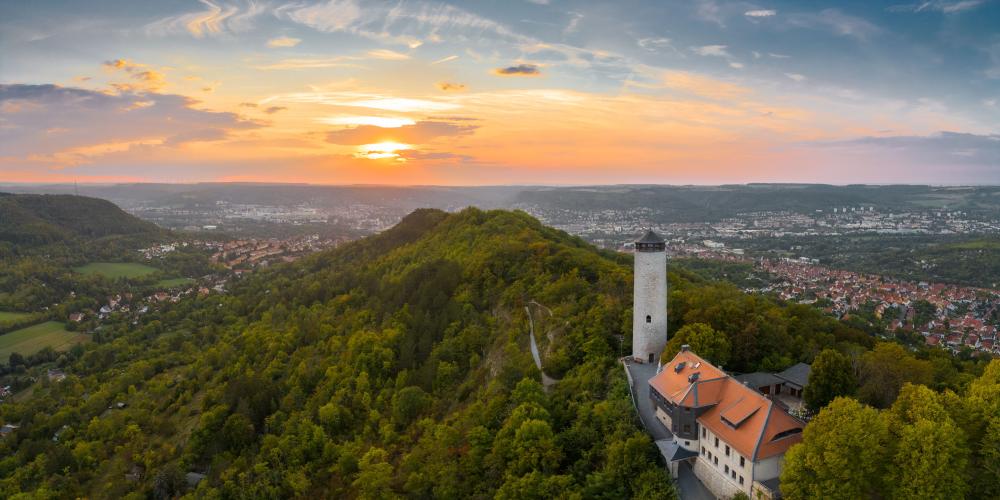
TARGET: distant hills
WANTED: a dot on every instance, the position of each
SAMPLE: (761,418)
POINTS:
(32,219)
(667,203)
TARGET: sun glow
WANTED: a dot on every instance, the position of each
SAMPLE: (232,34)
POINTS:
(382,150)
(378,121)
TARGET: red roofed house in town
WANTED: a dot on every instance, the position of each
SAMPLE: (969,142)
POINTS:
(735,436)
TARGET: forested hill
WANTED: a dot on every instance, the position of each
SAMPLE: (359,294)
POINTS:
(397,365)
(30,220)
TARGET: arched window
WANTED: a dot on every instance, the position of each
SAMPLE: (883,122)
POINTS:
(649,319)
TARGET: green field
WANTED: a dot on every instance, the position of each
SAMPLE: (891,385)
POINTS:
(32,339)
(7,318)
(170,283)
(116,270)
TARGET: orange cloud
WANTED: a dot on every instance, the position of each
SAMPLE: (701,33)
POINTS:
(451,87)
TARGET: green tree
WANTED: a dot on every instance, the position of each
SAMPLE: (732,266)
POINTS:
(842,455)
(930,461)
(704,341)
(885,369)
(374,480)
(831,376)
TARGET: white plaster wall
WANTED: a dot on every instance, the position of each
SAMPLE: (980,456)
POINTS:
(769,468)
(733,461)
(649,298)
(664,417)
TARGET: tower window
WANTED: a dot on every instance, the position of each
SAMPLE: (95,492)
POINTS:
(649,319)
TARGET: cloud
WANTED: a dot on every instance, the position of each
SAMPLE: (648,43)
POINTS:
(282,42)
(87,118)
(937,6)
(445,59)
(364,100)
(414,155)
(409,23)
(388,55)
(940,148)
(217,18)
(273,109)
(703,86)
(760,13)
(418,133)
(795,76)
(777,56)
(708,10)
(518,70)
(711,50)
(736,65)
(311,63)
(451,87)
(837,22)
(145,80)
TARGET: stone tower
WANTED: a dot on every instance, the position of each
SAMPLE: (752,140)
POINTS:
(649,303)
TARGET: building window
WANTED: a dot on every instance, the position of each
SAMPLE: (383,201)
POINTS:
(727,469)
(727,450)
(733,474)
(716,442)
(716,460)
(702,450)
(649,319)
(687,443)
(703,433)
(743,462)
(741,480)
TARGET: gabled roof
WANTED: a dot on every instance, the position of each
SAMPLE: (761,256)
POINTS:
(739,415)
(650,237)
(797,374)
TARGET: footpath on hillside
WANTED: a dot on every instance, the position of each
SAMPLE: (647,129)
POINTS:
(547,381)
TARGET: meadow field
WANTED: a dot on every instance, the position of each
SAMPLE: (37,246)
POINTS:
(7,318)
(174,282)
(115,270)
(32,339)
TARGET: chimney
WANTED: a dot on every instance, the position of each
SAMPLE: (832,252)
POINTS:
(685,348)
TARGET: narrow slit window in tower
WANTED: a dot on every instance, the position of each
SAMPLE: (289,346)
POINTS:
(649,319)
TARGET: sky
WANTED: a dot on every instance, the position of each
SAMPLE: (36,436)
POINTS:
(481,92)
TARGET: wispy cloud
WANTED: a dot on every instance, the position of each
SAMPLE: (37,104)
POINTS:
(947,7)
(940,148)
(518,70)
(311,63)
(388,55)
(283,42)
(760,13)
(216,18)
(796,76)
(712,51)
(836,22)
(445,59)
(417,133)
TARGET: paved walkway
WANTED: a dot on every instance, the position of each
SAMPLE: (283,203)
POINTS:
(689,487)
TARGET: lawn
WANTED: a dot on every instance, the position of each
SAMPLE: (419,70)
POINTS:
(173,282)
(32,339)
(114,270)
(7,318)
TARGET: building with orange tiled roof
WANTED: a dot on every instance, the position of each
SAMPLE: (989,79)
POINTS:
(735,437)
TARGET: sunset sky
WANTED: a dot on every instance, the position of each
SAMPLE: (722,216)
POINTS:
(500,91)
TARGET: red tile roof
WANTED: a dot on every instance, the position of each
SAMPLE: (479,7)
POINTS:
(748,421)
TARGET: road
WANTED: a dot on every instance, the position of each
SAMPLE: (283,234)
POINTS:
(689,487)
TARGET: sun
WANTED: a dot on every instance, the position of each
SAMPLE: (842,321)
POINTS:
(382,150)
